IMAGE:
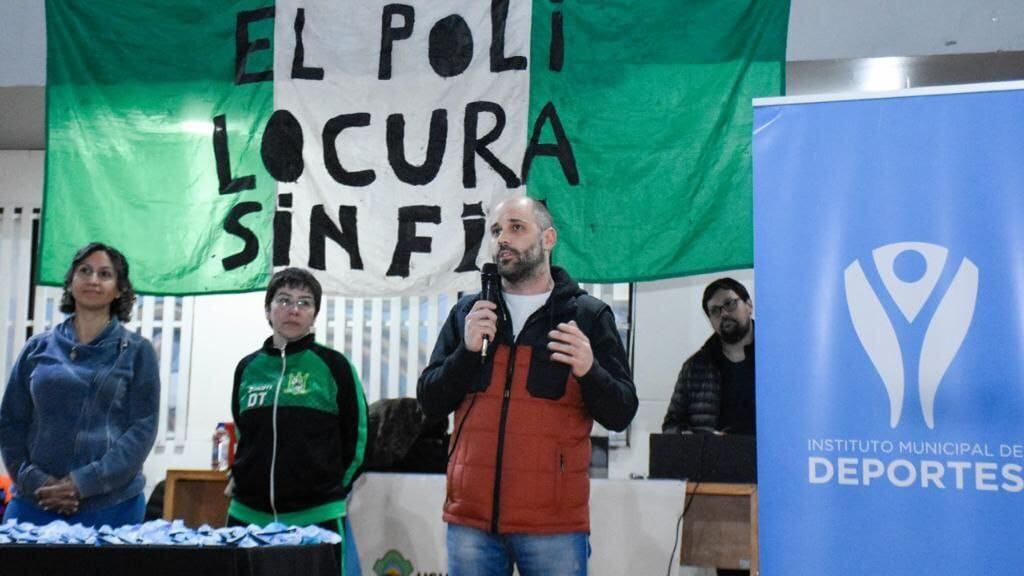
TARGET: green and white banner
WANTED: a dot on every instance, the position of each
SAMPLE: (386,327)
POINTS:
(367,141)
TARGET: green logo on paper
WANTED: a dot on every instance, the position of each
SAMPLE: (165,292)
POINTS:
(392,564)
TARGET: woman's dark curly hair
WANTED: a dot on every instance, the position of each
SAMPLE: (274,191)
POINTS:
(122,306)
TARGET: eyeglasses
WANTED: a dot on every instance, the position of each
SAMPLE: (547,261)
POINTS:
(301,304)
(85,272)
(727,306)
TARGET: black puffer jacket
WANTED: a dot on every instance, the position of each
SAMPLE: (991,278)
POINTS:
(697,399)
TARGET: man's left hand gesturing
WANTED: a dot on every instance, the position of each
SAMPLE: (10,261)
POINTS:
(569,345)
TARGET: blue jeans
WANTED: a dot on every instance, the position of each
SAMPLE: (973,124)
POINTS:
(473,552)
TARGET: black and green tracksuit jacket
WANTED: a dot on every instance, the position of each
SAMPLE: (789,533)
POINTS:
(321,433)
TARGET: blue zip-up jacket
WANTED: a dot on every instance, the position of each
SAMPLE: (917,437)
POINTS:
(88,410)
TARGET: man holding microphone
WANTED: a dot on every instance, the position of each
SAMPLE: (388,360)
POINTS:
(526,374)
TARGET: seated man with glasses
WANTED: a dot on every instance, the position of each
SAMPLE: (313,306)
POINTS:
(715,388)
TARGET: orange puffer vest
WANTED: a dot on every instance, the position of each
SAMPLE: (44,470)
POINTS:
(522,462)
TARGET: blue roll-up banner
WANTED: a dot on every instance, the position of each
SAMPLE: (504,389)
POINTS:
(889,254)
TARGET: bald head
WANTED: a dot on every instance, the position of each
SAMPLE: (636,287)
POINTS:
(522,238)
(541,215)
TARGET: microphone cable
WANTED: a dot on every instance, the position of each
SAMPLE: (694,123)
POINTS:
(688,500)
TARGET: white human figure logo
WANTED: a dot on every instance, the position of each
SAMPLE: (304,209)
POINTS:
(946,330)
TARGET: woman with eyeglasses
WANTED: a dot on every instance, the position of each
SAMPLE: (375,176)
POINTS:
(301,419)
(79,413)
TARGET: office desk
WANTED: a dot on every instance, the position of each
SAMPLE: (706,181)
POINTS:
(720,528)
(196,496)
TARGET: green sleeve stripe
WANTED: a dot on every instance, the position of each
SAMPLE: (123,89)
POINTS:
(357,458)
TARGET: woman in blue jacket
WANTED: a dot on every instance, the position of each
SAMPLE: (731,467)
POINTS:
(79,413)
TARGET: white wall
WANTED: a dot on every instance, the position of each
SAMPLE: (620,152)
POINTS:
(21,178)
(22,43)
(842,29)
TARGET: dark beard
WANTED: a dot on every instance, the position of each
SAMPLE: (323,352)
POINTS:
(734,335)
(525,267)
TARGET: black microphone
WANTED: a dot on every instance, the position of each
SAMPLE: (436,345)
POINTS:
(490,286)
